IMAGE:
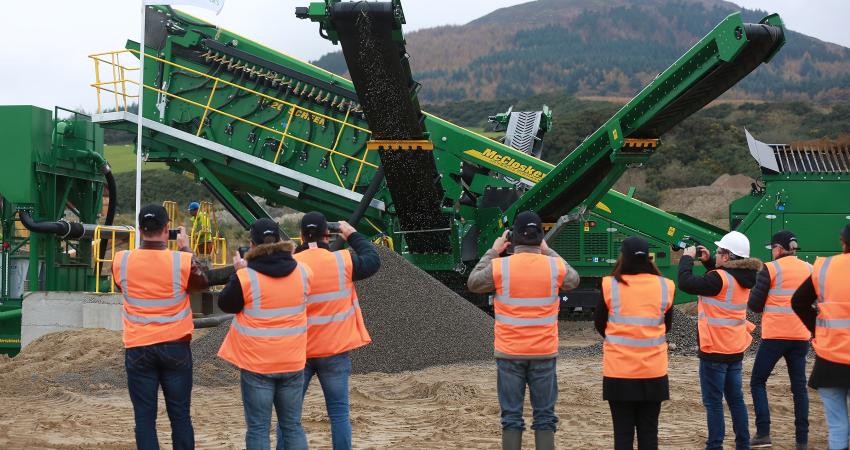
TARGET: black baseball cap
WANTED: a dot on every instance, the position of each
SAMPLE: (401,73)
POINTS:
(634,246)
(314,223)
(783,238)
(528,228)
(262,229)
(845,233)
(152,218)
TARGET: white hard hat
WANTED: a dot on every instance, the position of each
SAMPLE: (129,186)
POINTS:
(736,243)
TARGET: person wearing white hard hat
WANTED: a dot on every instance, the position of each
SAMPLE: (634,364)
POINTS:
(723,329)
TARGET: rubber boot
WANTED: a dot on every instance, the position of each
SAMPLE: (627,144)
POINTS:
(544,440)
(511,439)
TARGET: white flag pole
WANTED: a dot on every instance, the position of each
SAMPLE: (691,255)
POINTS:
(140,115)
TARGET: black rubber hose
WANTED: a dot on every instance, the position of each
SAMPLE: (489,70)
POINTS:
(65,230)
(113,204)
(364,204)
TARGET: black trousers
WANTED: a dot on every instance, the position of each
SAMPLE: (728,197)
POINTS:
(629,416)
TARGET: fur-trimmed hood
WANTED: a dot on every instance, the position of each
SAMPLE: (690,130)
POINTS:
(744,270)
(274,260)
(268,249)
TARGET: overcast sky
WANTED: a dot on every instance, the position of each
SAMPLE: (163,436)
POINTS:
(45,44)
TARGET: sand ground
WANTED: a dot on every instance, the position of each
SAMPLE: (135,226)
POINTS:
(440,407)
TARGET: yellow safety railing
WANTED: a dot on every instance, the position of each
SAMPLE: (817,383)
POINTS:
(171,210)
(118,85)
(110,258)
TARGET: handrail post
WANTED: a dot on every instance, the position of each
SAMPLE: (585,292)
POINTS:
(207,109)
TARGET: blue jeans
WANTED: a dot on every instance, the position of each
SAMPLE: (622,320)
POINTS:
(835,408)
(168,365)
(333,372)
(769,353)
(511,378)
(285,392)
(716,381)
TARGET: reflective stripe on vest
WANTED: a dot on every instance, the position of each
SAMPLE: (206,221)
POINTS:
(779,309)
(722,322)
(822,279)
(648,342)
(730,291)
(339,317)
(344,292)
(616,317)
(833,323)
(506,299)
(178,297)
(255,311)
(777,290)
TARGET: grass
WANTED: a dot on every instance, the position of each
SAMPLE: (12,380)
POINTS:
(122,158)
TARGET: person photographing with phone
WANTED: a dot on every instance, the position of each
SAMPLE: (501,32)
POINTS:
(527,285)
(335,323)
(267,340)
(723,329)
(155,283)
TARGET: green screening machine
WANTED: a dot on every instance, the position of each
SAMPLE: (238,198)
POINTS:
(251,123)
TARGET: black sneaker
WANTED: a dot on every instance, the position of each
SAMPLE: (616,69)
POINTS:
(760,442)
(802,446)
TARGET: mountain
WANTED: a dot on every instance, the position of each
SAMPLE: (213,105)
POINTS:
(607,48)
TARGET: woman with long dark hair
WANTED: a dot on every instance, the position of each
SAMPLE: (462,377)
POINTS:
(634,316)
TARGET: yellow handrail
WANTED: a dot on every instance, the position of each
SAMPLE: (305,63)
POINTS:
(119,75)
(111,259)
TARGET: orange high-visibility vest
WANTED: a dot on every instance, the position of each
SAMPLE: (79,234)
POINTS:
(722,319)
(269,335)
(526,304)
(778,320)
(832,333)
(635,337)
(156,305)
(334,320)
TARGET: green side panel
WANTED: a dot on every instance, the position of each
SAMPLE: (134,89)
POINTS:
(26,140)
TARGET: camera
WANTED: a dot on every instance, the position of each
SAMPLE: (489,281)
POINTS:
(333,227)
(172,234)
(243,250)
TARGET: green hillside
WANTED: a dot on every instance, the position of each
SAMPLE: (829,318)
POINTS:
(596,48)
(122,158)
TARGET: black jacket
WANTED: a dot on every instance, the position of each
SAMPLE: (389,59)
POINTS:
(365,262)
(710,284)
(825,373)
(274,260)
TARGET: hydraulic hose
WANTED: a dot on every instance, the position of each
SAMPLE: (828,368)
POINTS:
(211,321)
(63,229)
(113,204)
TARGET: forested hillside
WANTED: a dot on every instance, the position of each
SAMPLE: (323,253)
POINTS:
(602,48)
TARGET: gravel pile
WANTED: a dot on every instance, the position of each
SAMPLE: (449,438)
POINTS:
(416,321)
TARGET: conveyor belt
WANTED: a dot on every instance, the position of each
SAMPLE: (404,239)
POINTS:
(763,40)
(591,169)
(381,74)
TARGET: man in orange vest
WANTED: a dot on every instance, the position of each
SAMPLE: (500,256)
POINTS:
(723,329)
(828,289)
(156,283)
(335,322)
(267,340)
(783,336)
(527,285)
